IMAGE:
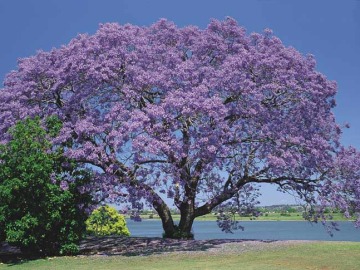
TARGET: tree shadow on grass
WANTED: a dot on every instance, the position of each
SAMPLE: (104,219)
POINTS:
(11,255)
(124,246)
(145,246)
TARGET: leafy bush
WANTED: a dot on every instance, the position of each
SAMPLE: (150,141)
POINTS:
(36,213)
(285,214)
(106,221)
(69,249)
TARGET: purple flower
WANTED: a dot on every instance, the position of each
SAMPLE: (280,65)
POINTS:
(193,113)
(64,185)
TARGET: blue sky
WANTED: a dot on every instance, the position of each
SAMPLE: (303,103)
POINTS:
(329,29)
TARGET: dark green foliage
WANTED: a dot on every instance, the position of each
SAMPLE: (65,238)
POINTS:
(36,214)
(69,249)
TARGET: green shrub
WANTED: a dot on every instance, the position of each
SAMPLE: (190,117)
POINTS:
(69,249)
(36,213)
(285,214)
(105,220)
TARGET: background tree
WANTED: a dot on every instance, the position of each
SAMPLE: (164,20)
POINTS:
(106,220)
(189,114)
(40,199)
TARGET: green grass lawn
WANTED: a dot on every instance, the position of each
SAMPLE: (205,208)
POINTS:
(315,255)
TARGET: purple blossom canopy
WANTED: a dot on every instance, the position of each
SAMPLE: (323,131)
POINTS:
(191,114)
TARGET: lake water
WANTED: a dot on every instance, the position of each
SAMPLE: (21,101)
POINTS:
(260,230)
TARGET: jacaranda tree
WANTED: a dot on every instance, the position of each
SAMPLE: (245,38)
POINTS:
(189,114)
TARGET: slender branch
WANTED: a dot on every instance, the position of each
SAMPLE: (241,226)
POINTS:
(229,193)
(207,207)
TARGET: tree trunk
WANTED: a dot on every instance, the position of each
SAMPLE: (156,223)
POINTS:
(187,217)
(181,231)
(164,213)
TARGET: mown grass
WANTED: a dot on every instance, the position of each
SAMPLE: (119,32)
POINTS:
(311,255)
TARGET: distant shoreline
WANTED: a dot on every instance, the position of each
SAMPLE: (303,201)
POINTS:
(245,220)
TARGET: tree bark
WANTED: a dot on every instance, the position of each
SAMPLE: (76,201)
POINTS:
(164,213)
(187,211)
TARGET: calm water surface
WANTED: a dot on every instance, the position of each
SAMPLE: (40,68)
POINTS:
(261,230)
